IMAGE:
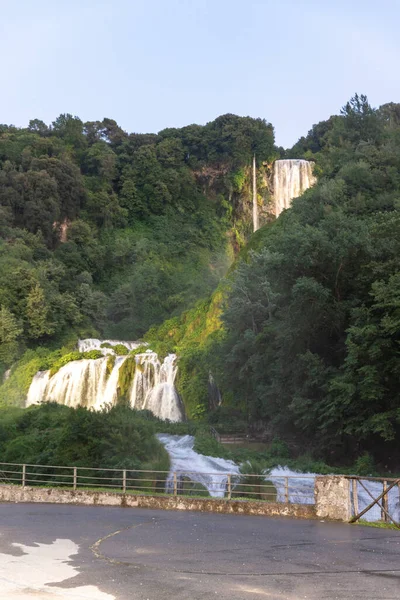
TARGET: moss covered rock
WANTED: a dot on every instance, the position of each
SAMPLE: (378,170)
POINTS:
(126,376)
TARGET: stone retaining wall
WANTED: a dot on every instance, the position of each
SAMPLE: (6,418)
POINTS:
(10,493)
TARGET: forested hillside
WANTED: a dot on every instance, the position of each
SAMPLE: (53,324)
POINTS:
(107,233)
(296,328)
(313,318)
(307,345)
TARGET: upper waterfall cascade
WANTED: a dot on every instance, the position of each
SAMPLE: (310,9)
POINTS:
(292,177)
(256,224)
(89,383)
(95,344)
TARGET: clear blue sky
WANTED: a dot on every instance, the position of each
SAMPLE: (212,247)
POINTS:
(151,64)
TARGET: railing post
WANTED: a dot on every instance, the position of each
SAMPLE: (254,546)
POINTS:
(287,490)
(175,484)
(355,496)
(23,475)
(385,503)
(229,486)
(124,481)
(75,477)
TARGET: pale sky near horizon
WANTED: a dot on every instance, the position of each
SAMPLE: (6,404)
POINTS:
(151,64)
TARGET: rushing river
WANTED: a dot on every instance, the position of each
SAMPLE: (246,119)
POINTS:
(213,473)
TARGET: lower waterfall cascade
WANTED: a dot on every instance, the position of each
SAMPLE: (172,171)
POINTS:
(89,383)
(207,470)
(291,178)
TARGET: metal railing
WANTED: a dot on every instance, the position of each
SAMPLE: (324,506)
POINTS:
(297,489)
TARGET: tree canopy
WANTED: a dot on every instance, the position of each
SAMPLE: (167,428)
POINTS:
(107,233)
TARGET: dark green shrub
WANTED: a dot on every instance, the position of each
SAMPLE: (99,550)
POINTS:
(120,350)
(253,483)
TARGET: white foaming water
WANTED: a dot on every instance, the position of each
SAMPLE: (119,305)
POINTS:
(207,470)
(37,389)
(78,383)
(301,485)
(292,177)
(95,344)
(154,386)
(87,383)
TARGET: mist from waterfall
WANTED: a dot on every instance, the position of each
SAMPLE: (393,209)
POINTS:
(292,177)
(89,383)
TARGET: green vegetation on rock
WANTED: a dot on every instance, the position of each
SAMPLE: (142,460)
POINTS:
(76,355)
(126,375)
(120,350)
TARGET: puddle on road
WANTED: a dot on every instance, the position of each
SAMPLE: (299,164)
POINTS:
(27,577)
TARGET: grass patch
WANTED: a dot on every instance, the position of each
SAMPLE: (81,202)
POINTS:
(376,524)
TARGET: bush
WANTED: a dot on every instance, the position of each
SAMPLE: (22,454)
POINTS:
(279,448)
(209,446)
(71,356)
(14,390)
(253,483)
(120,350)
(52,434)
(92,354)
(365,465)
(140,350)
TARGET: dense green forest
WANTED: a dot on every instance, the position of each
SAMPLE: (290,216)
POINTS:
(105,233)
(57,435)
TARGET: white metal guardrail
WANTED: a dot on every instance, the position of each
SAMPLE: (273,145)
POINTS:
(298,489)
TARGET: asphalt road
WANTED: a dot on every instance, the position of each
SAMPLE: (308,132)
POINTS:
(138,554)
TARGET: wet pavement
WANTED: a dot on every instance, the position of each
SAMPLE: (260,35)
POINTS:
(103,553)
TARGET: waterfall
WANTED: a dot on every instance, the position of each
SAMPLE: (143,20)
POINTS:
(95,344)
(292,177)
(214,395)
(88,383)
(255,203)
(154,386)
(78,383)
(207,470)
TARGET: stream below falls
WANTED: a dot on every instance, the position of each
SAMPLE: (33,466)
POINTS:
(213,473)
